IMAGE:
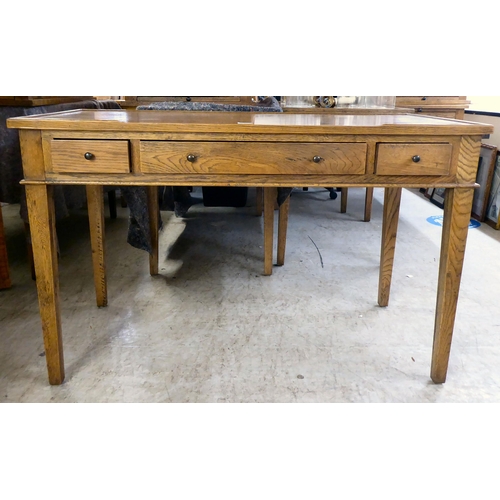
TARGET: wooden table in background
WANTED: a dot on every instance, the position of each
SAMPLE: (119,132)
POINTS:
(32,101)
(157,148)
(435,105)
(131,102)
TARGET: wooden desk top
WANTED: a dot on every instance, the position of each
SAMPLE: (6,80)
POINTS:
(246,123)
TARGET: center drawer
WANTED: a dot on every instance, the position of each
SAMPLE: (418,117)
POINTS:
(160,157)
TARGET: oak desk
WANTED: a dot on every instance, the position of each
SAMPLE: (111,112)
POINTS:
(152,148)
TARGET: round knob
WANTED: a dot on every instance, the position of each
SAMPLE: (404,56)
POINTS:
(416,158)
(326,101)
(424,98)
(89,156)
(419,110)
(317,159)
(191,158)
(188,99)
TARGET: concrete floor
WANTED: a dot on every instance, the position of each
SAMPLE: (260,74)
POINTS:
(211,328)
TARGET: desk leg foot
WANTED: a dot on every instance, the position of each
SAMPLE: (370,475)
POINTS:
(282,228)
(154,226)
(41,212)
(392,201)
(95,206)
(457,210)
(269,201)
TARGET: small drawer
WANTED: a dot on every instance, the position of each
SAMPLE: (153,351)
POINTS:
(159,157)
(94,156)
(413,159)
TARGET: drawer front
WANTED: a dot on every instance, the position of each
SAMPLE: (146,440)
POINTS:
(252,158)
(439,113)
(426,100)
(82,156)
(413,159)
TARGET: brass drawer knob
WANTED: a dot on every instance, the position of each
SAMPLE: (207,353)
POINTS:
(317,159)
(89,156)
(191,158)
(416,158)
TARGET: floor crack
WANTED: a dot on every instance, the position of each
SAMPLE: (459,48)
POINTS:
(320,257)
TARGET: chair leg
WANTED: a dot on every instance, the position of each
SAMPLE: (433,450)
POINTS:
(282,228)
(333,193)
(5,281)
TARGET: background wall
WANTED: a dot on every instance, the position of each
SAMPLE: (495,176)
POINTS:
(485,104)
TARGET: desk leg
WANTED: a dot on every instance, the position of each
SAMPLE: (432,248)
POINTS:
(269,201)
(95,207)
(368,204)
(282,228)
(392,201)
(41,214)
(154,227)
(457,210)
(343,200)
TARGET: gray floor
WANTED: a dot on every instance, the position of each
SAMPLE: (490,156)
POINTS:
(211,328)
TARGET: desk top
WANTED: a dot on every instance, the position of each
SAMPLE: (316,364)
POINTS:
(247,123)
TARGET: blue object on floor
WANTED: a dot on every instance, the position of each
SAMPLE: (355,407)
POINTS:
(437,220)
